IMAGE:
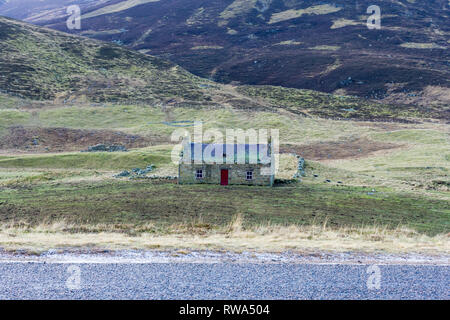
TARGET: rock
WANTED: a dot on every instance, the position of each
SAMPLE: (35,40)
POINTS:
(300,167)
(106,148)
(97,148)
(346,82)
(136,172)
(123,174)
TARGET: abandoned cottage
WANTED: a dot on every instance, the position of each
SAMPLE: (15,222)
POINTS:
(226,164)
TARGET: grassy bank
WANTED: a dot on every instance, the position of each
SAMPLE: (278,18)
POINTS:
(136,203)
(93,161)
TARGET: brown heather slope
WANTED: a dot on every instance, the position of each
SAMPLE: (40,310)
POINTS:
(319,45)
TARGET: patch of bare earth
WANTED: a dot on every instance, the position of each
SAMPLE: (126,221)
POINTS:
(23,139)
(334,150)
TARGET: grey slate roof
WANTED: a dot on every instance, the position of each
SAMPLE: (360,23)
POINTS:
(257,151)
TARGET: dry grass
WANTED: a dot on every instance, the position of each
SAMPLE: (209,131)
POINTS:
(238,7)
(416,45)
(288,43)
(234,237)
(330,68)
(326,48)
(292,14)
(207,48)
(197,17)
(121,6)
(340,23)
(287,166)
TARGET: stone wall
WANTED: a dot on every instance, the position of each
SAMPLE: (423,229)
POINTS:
(237,174)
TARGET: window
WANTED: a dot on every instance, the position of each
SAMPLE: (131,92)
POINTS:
(199,174)
(249,175)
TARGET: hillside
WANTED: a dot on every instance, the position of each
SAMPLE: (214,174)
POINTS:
(317,45)
(42,64)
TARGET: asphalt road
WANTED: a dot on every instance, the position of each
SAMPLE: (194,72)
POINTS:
(30,280)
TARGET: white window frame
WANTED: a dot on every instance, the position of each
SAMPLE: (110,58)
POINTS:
(249,174)
(199,174)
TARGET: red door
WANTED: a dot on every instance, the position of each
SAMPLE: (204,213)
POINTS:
(224,177)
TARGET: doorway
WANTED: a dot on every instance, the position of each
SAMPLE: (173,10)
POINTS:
(224,177)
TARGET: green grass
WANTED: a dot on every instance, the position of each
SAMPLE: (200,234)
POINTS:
(10,118)
(106,117)
(45,65)
(135,203)
(8,102)
(93,161)
(415,136)
(79,188)
(149,120)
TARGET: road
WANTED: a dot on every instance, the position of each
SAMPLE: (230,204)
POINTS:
(39,280)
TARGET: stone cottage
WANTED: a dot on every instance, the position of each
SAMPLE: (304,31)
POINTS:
(227,164)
